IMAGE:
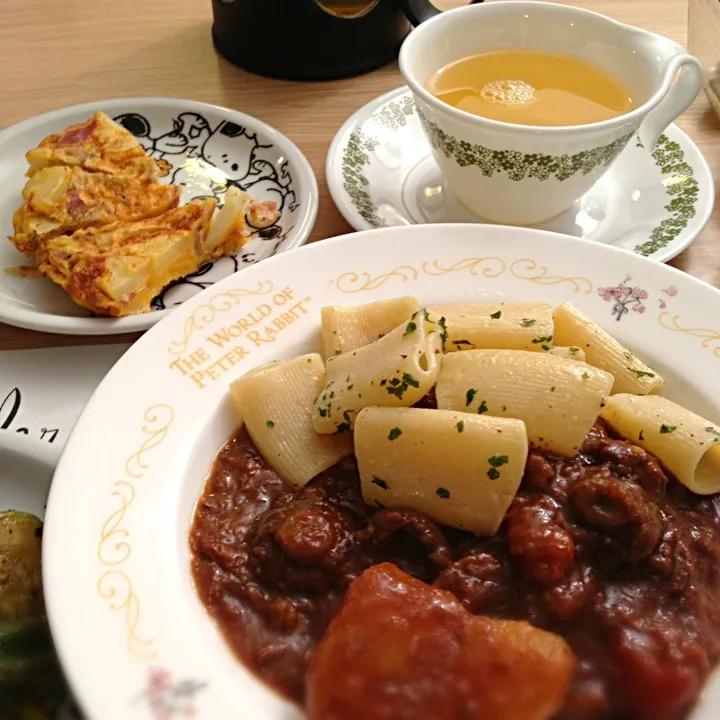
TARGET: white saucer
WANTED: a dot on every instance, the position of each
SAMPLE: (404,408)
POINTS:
(203,149)
(381,173)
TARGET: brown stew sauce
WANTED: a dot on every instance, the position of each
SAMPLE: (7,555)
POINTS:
(604,549)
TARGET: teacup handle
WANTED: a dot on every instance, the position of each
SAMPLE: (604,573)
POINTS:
(418,11)
(677,98)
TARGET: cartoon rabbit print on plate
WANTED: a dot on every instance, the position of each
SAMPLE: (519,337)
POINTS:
(204,158)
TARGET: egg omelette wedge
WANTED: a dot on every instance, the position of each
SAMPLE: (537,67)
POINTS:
(118,269)
(99,144)
(61,199)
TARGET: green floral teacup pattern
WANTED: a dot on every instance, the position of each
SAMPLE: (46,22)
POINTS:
(516,175)
(674,205)
(520,166)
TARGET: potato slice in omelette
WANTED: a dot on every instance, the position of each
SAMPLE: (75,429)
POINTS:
(61,200)
(117,270)
(98,145)
(229,230)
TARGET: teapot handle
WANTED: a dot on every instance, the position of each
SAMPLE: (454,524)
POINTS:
(418,11)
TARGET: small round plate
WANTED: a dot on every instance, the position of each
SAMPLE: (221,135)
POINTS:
(381,172)
(204,149)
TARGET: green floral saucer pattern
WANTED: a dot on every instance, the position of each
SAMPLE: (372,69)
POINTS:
(380,172)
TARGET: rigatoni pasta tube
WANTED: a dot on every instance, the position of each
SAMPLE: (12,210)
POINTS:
(397,370)
(685,443)
(602,350)
(513,326)
(461,470)
(349,328)
(558,400)
(276,402)
(569,353)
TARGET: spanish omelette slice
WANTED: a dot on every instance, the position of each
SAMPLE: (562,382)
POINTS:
(97,145)
(118,269)
(61,200)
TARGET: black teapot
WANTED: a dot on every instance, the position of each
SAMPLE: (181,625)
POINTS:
(314,39)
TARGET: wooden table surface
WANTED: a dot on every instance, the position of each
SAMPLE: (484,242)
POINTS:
(54,54)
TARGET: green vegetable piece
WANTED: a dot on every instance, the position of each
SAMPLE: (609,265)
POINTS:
(20,568)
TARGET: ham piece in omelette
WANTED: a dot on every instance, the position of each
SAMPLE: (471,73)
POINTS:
(401,650)
(100,224)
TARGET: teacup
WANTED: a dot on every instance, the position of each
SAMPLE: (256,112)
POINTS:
(521,174)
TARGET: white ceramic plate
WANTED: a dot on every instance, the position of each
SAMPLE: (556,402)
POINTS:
(381,172)
(136,462)
(203,148)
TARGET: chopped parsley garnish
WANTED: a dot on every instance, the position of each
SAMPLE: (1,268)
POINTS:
(496,315)
(641,373)
(504,408)
(380,483)
(542,339)
(346,416)
(546,348)
(411,328)
(461,342)
(383,382)
(628,355)
(470,396)
(664,429)
(410,380)
(343,427)
(641,436)
(395,433)
(381,335)
(585,376)
(444,334)
(338,351)
(493,474)
(270,423)
(498,460)
(460,426)
(398,387)
(482,407)
(403,357)
(528,322)
(350,387)
(442,493)
(574,350)
(322,411)
(425,314)
(713,431)
(552,389)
